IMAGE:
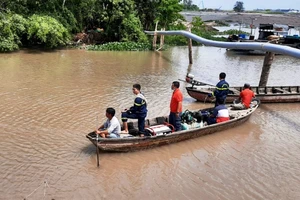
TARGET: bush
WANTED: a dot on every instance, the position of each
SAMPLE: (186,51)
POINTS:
(121,46)
(233,31)
(47,31)
(12,27)
(132,30)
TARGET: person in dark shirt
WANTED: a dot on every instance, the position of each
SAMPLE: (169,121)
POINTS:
(220,113)
(221,91)
(137,111)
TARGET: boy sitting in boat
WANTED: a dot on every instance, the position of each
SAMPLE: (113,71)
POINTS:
(220,113)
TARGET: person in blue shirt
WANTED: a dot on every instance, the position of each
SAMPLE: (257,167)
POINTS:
(137,111)
(221,91)
(220,113)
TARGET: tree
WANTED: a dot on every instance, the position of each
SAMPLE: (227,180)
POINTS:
(168,12)
(47,31)
(239,6)
(188,5)
(12,28)
(147,12)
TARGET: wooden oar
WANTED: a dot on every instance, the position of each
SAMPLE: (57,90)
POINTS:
(199,83)
(97,149)
(207,85)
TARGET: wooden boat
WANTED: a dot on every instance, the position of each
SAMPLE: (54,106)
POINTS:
(132,143)
(269,94)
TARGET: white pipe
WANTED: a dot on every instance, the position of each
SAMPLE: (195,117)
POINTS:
(264,46)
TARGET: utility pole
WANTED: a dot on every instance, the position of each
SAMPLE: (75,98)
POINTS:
(251,25)
(202,3)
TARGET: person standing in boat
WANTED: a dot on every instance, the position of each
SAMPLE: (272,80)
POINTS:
(176,106)
(137,111)
(221,91)
(220,113)
(111,128)
(245,98)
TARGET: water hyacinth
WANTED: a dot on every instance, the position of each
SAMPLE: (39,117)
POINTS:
(121,46)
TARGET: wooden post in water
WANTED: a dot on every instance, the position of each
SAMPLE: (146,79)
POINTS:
(269,57)
(155,37)
(162,40)
(190,46)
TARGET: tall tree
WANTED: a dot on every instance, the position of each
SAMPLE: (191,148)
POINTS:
(168,12)
(239,6)
(147,12)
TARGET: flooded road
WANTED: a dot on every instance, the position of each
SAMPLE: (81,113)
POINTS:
(51,100)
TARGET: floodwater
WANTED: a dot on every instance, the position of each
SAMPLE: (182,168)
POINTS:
(51,100)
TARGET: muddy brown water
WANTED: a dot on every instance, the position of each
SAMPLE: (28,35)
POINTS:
(51,100)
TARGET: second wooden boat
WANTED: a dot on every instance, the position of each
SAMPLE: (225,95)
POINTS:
(270,94)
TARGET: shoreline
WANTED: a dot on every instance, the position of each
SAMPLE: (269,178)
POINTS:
(245,18)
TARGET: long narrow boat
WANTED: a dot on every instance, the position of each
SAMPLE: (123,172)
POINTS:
(132,143)
(269,94)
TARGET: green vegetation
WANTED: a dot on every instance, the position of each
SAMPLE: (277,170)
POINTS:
(46,31)
(12,27)
(198,28)
(121,46)
(51,23)
(233,31)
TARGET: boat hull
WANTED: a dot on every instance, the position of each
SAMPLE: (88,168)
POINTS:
(274,94)
(140,143)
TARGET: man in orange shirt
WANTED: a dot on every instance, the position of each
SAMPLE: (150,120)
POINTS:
(176,106)
(245,98)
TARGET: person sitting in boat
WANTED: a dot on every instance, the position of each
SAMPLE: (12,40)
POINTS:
(220,113)
(111,127)
(245,98)
(137,111)
(221,91)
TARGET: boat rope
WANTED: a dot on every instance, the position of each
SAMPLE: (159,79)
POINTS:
(45,187)
(210,101)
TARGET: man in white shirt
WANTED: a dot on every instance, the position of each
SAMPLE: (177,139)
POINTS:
(111,128)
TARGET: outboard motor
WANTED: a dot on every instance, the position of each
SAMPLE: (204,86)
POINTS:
(189,78)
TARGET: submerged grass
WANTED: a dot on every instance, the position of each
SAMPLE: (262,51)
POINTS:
(121,46)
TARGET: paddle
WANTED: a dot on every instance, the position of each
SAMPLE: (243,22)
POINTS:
(199,83)
(97,137)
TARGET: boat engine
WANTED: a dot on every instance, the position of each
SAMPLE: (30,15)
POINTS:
(189,78)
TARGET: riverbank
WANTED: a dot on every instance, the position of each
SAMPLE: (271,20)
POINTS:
(245,18)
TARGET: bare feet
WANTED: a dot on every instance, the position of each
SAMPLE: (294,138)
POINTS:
(124,132)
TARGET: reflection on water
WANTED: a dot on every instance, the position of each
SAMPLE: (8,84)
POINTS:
(50,100)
